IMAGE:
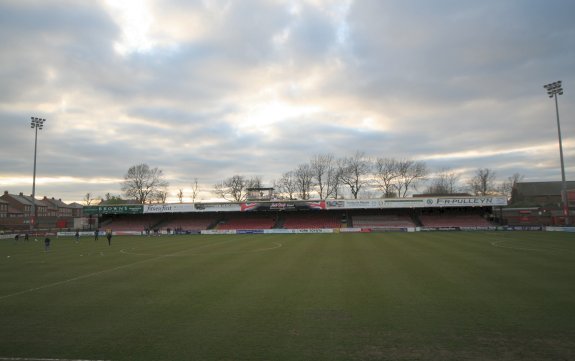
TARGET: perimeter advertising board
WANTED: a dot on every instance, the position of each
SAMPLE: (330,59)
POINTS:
(120,209)
(283,206)
(191,207)
(423,202)
(466,202)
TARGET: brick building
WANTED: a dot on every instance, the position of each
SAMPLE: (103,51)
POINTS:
(16,212)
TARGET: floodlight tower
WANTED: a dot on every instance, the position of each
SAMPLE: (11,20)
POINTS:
(553,90)
(36,123)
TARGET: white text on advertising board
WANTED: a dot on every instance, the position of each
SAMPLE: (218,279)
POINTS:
(480,201)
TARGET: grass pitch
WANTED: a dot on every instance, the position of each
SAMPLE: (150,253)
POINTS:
(385,296)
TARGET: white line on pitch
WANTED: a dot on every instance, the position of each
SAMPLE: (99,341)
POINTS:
(104,271)
(42,359)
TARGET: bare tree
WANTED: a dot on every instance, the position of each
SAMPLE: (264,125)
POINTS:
(385,171)
(483,182)
(160,197)
(409,174)
(254,182)
(180,195)
(194,190)
(113,199)
(232,189)
(143,183)
(286,185)
(507,186)
(335,183)
(89,199)
(323,170)
(445,182)
(354,171)
(304,180)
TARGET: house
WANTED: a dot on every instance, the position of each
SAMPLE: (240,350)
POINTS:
(3,209)
(58,208)
(18,204)
(16,212)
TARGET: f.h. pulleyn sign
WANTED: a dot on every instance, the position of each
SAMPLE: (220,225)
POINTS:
(469,201)
(417,202)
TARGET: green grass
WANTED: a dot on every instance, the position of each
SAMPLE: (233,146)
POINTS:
(387,296)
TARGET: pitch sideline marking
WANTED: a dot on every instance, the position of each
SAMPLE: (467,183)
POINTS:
(103,271)
(42,359)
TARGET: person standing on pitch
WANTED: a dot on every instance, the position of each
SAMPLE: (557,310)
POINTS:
(77,235)
(46,244)
(96,234)
(109,236)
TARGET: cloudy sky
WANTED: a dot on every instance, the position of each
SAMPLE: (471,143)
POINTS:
(209,89)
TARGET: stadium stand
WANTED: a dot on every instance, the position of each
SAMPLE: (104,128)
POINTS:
(190,222)
(313,220)
(454,220)
(247,220)
(131,222)
(382,221)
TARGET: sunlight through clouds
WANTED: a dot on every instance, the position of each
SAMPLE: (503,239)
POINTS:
(262,117)
(135,20)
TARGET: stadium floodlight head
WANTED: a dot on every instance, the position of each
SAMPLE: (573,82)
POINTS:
(554,89)
(37,122)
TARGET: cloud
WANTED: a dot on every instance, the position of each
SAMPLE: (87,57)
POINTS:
(208,89)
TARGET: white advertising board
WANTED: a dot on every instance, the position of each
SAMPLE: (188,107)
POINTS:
(423,202)
(192,207)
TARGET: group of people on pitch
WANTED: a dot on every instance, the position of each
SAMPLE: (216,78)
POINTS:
(47,240)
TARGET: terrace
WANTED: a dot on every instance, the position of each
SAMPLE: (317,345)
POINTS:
(382,221)
(314,220)
(454,220)
(248,221)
